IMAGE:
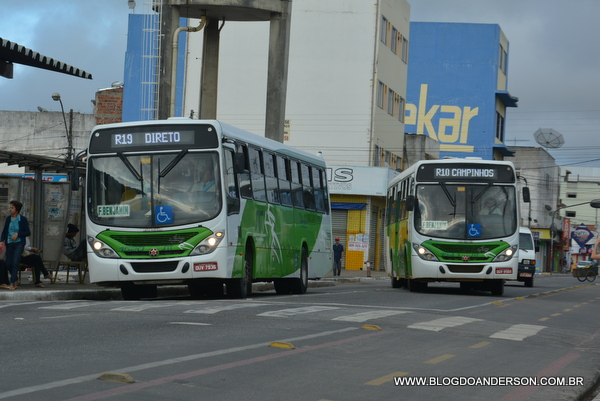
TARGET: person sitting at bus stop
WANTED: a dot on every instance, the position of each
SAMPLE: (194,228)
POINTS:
(31,257)
(72,250)
(490,207)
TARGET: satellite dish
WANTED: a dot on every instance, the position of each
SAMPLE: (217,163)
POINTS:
(549,138)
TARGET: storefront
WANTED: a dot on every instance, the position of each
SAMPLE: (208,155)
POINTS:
(358,196)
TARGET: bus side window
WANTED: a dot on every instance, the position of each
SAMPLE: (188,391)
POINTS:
(244,178)
(309,196)
(297,197)
(319,187)
(230,183)
(257,175)
(270,178)
(283,174)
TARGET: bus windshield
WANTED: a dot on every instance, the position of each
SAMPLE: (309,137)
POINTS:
(154,190)
(465,211)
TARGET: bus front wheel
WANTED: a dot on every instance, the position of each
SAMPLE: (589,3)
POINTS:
(132,292)
(242,287)
(497,287)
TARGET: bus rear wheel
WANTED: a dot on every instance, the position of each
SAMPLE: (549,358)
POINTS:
(299,285)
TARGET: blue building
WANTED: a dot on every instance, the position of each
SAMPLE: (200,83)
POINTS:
(457,87)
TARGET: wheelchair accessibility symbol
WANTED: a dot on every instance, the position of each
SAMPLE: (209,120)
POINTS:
(163,214)
(474,230)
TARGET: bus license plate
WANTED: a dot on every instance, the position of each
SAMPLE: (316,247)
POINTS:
(525,275)
(203,267)
(504,270)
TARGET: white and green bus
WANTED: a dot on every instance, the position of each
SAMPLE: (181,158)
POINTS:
(203,204)
(453,220)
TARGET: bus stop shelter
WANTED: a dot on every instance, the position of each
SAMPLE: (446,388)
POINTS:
(48,205)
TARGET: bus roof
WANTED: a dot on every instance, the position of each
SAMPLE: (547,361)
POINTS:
(231,132)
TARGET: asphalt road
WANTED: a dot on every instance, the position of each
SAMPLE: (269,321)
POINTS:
(352,341)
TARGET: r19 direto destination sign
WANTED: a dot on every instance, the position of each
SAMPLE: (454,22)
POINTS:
(152,138)
(482,172)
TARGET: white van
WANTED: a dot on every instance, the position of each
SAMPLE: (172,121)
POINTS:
(526,255)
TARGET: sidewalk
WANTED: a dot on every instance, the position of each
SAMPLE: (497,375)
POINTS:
(27,291)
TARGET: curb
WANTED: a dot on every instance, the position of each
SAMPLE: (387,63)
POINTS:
(104,294)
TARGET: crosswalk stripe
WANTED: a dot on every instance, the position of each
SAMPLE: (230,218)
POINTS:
(518,332)
(67,305)
(443,323)
(364,316)
(297,311)
(216,309)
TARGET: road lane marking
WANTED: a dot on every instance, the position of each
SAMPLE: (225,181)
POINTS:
(518,332)
(443,323)
(440,358)
(364,316)
(296,311)
(172,361)
(191,323)
(385,379)
(480,345)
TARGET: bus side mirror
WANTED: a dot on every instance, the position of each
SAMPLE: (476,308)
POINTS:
(526,195)
(74,178)
(410,203)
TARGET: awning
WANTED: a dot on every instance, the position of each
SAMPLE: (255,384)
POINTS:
(13,53)
(348,205)
(507,99)
(44,163)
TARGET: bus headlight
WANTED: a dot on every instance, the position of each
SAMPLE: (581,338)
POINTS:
(424,253)
(209,244)
(101,249)
(506,254)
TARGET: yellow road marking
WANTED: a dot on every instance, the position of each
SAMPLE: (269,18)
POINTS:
(439,359)
(385,379)
(543,319)
(556,314)
(481,344)
(567,310)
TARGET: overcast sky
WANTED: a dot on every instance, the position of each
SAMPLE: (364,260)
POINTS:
(554,59)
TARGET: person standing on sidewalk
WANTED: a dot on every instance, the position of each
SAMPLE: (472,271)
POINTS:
(16,230)
(338,252)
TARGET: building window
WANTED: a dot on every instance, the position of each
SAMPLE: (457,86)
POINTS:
(380,92)
(401,108)
(571,195)
(500,127)
(502,60)
(570,214)
(394,42)
(383,33)
(404,49)
(390,102)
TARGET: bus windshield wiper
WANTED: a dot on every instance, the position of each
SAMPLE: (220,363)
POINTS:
(126,162)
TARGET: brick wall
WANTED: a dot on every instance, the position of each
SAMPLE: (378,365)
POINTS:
(109,106)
